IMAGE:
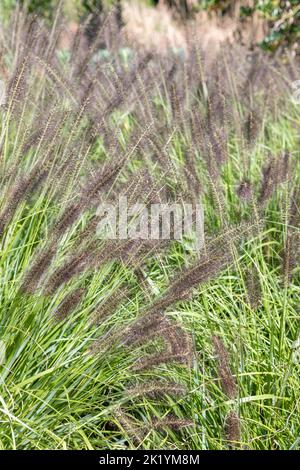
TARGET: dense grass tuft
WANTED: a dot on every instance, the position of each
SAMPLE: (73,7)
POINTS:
(131,343)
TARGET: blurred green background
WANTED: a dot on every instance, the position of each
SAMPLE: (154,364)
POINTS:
(283,17)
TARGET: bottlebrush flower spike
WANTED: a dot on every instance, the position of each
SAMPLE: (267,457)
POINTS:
(233,429)
(157,389)
(172,422)
(244,191)
(106,308)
